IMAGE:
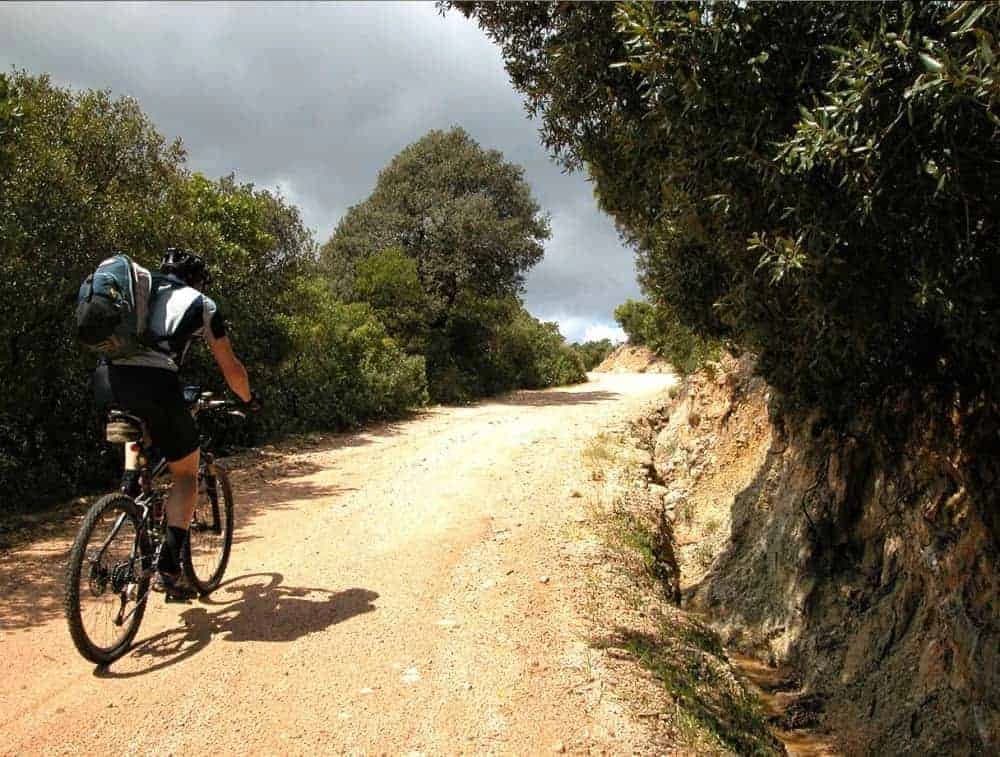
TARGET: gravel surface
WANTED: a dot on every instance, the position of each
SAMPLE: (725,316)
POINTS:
(401,590)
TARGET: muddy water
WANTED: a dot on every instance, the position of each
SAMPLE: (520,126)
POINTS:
(771,685)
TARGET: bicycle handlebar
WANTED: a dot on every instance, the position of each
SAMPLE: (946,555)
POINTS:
(206,403)
(200,402)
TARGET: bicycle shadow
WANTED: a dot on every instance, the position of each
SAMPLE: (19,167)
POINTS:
(265,611)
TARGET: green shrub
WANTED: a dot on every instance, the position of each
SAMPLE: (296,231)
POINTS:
(592,353)
(660,330)
(815,181)
(537,355)
(82,175)
(342,368)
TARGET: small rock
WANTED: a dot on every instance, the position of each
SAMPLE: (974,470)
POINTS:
(673,497)
(558,747)
(619,654)
(543,579)
(575,494)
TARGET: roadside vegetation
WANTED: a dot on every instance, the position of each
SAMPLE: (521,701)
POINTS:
(415,298)
(814,182)
(656,327)
(593,353)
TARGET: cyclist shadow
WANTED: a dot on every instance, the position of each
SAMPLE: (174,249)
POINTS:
(264,610)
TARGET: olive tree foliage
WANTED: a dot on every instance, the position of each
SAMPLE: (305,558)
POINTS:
(816,182)
(439,250)
(83,175)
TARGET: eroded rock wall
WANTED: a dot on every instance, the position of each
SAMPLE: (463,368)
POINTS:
(868,561)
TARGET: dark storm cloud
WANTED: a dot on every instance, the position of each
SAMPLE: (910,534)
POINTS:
(316,99)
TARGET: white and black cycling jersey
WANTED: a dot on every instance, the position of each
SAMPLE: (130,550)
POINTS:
(178,315)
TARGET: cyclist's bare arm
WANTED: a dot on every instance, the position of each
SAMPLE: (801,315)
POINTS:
(231,367)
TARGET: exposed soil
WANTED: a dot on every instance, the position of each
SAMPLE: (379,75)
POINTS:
(421,587)
(863,582)
(627,358)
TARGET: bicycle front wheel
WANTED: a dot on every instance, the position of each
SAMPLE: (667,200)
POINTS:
(210,536)
(106,583)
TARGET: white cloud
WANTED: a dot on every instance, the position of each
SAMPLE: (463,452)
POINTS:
(599,331)
(582,329)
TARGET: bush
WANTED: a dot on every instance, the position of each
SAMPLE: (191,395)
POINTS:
(82,175)
(660,330)
(342,368)
(537,355)
(816,182)
(592,353)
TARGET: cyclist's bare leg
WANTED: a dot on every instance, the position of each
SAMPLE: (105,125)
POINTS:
(180,507)
(131,456)
(184,491)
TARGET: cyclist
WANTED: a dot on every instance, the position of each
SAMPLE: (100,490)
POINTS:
(147,385)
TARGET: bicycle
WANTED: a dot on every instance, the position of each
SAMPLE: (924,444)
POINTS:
(114,555)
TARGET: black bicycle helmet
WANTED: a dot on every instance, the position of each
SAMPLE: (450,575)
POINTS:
(185,265)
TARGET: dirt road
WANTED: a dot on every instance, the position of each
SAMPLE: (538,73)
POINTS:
(402,590)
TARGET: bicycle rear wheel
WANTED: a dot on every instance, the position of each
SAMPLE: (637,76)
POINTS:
(106,586)
(210,536)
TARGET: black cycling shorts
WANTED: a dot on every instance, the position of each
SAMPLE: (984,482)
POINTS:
(155,395)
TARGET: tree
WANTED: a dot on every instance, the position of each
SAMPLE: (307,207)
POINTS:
(592,353)
(389,282)
(83,174)
(816,182)
(467,222)
(464,214)
(637,321)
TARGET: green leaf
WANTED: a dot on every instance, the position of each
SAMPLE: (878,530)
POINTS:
(931,64)
(973,17)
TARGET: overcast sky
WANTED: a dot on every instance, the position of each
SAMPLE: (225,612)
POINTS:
(315,99)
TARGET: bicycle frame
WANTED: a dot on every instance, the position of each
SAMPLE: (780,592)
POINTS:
(149,536)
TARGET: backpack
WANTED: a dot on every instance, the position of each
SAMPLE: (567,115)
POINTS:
(112,308)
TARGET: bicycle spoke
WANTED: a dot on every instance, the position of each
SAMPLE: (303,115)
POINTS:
(105,580)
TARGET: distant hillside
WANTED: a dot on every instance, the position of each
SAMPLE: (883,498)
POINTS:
(628,358)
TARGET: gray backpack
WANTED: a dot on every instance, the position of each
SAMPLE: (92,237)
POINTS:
(112,308)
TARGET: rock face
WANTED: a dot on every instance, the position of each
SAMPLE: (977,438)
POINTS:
(872,571)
